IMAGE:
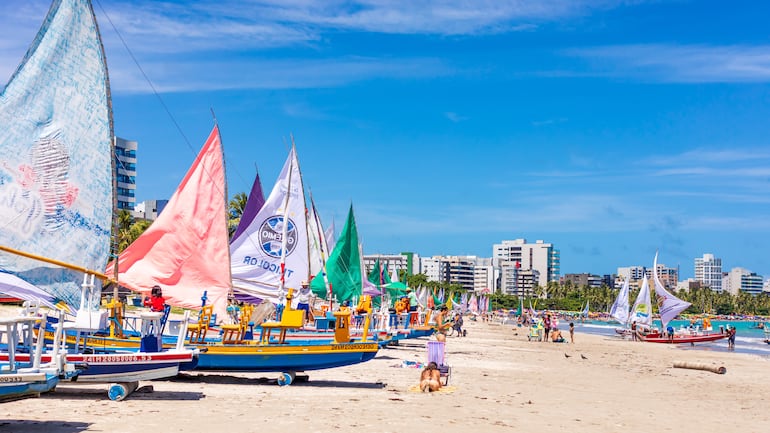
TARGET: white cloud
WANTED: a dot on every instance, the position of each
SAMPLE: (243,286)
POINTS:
(679,63)
(547,122)
(236,24)
(454,117)
(273,74)
(165,35)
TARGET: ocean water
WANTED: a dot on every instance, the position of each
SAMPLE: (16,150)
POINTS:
(747,338)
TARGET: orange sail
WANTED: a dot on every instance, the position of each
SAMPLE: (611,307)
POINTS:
(185,250)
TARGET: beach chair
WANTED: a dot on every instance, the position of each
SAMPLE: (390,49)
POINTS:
(536,331)
(436,353)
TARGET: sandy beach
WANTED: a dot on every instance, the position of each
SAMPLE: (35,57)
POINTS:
(499,382)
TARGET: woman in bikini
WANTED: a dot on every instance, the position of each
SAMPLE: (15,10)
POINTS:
(430,378)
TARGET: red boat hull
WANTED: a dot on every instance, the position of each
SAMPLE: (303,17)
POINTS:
(682,339)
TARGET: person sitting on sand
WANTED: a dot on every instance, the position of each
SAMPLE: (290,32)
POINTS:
(430,378)
(556,336)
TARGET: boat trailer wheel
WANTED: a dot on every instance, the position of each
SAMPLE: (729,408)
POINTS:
(286,378)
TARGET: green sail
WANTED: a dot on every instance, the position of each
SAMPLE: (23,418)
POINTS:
(343,269)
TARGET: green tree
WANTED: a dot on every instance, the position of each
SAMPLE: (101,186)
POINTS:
(417,280)
(235,210)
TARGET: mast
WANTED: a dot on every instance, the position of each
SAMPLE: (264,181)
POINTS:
(304,206)
(113,161)
(284,228)
(321,242)
(226,208)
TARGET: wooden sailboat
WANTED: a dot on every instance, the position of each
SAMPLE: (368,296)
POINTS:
(261,268)
(57,144)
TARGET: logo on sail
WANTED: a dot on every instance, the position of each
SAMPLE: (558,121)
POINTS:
(270,236)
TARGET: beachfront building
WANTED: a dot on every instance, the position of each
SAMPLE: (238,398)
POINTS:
(584,279)
(708,270)
(466,271)
(149,209)
(405,262)
(636,273)
(516,281)
(690,284)
(669,277)
(541,256)
(742,280)
(484,275)
(125,167)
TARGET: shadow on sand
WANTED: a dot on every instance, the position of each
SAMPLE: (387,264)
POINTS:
(301,380)
(26,426)
(145,392)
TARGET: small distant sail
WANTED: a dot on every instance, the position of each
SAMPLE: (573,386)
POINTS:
(619,310)
(344,265)
(641,312)
(184,250)
(318,248)
(330,236)
(255,256)
(254,203)
(56,154)
(669,306)
(394,276)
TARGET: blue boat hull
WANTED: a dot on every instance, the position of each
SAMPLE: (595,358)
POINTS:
(15,391)
(280,362)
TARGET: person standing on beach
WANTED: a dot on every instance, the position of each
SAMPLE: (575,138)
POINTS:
(413,301)
(442,324)
(731,338)
(303,302)
(571,333)
(547,325)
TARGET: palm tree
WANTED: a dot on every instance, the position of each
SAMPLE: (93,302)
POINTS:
(237,205)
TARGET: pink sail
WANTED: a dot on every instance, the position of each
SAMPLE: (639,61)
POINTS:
(185,250)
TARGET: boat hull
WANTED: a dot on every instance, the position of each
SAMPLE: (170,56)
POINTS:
(284,358)
(15,386)
(684,339)
(122,367)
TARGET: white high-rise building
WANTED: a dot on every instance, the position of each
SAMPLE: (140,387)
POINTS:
(469,272)
(708,270)
(540,256)
(484,275)
(742,280)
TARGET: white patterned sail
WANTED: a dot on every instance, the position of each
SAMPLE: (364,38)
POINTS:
(255,256)
(56,176)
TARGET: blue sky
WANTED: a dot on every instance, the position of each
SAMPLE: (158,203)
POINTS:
(609,128)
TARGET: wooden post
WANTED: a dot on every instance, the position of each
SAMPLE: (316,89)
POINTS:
(704,367)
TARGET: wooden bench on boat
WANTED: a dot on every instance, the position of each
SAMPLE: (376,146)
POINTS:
(196,332)
(290,319)
(235,333)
